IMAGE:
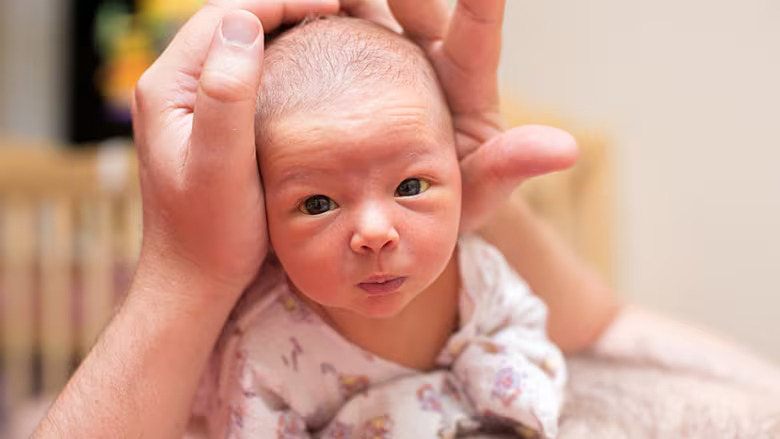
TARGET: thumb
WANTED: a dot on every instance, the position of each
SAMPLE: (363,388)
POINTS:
(493,171)
(222,141)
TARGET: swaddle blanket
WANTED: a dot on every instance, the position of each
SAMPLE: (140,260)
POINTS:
(278,370)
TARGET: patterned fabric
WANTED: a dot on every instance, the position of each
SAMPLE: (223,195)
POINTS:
(279,371)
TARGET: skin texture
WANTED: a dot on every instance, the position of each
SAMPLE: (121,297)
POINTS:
(347,111)
(358,156)
(204,223)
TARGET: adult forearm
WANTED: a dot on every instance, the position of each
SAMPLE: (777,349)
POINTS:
(580,303)
(139,379)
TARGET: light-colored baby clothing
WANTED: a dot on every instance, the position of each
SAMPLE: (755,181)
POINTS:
(279,371)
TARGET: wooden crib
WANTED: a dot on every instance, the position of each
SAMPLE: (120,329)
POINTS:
(70,229)
(69,236)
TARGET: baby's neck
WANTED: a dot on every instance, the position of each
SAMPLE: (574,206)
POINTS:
(414,337)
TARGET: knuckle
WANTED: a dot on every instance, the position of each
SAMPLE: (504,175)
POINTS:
(143,87)
(226,87)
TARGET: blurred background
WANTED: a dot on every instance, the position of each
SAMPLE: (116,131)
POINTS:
(689,94)
(676,105)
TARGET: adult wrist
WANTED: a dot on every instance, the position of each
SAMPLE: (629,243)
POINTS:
(141,375)
(175,282)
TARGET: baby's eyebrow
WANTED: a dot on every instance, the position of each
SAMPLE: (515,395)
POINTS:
(310,173)
(298,175)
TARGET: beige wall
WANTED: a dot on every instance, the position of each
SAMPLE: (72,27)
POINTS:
(691,92)
(32,68)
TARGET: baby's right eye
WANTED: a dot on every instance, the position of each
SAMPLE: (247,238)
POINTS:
(317,204)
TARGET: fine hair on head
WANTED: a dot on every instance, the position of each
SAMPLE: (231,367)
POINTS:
(315,65)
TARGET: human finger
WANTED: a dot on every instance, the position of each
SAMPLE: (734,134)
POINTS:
(469,55)
(495,169)
(222,139)
(376,11)
(473,38)
(423,21)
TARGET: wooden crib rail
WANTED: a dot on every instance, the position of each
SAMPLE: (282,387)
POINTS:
(69,238)
(38,169)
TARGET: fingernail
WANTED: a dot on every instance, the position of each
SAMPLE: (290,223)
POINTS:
(240,28)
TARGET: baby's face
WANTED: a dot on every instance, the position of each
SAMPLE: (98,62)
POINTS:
(363,200)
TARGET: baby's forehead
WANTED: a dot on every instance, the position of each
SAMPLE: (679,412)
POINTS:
(337,62)
(382,127)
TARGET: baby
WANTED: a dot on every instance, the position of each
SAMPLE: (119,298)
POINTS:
(373,319)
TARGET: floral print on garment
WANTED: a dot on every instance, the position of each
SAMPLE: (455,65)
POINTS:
(279,371)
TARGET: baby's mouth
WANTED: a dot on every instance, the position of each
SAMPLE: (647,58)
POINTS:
(379,285)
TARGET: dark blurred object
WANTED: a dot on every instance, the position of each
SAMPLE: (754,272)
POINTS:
(113,43)
(91,117)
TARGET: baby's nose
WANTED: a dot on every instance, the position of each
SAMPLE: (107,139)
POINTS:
(374,231)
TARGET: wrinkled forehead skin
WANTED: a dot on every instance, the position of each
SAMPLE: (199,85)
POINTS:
(327,64)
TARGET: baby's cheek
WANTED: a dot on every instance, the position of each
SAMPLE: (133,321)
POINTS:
(432,239)
(314,267)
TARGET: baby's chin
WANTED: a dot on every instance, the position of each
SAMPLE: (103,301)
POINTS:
(384,307)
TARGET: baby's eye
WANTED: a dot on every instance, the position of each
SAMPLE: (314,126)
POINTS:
(317,204)
(411,187)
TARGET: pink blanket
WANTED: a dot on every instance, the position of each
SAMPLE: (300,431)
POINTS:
(650,377)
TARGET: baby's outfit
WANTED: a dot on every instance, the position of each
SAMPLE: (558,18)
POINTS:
(279,371)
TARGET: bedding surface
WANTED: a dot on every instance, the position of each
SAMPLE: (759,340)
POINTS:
(647,377)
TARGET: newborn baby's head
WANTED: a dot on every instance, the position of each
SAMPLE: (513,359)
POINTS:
(356,151)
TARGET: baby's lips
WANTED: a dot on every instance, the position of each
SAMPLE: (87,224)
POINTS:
(385,286)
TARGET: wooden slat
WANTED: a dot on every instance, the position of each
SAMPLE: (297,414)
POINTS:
(45,171)
(133,227)
(79,232)
(96,267)
(128,245)
(18,233)
(57,292)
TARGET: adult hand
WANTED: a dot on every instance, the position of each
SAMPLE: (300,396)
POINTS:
(465,52)
(204,226)
(193,114)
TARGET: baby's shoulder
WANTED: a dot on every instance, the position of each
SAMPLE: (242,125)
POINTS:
(493,295)
(483,267)
(487,280)
(475,250)
(266,333)
(269,307)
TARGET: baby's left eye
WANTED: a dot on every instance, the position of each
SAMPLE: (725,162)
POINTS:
(411,187)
